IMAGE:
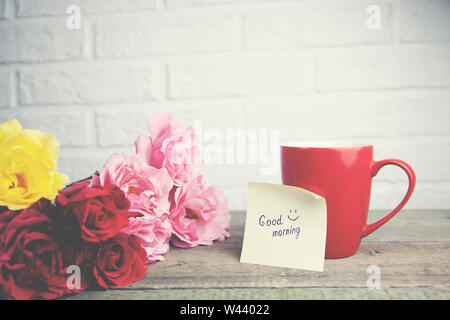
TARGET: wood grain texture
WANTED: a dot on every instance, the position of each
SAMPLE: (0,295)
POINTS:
(412,252)
(407,225)
(268,294)
(401,264)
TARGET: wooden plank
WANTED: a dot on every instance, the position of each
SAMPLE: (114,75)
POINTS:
(412,225)
(414,270)
(268,294)
(407,225)
(402,265)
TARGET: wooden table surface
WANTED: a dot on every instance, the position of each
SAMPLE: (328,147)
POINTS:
(412,251)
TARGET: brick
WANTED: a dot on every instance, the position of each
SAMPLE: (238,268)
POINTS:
(164,34)
(332,118)
(312,25)
(72,128)
(260,115)
(3,8)
(423,21)
(7,9)
(36,42)
(179,4)
(387,195)
(366,118)
(428,156)
(5,89)
(87,85)
(216,173)
(43,42)
(433,195)
(119,127)
(81,163)
(426,195)
(421,116)
(236,197)
(8,48)
(203,116)
(384,69)
(238,77)
(252,172)
(32,8)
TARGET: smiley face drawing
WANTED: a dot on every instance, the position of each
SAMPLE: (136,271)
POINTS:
(294,213)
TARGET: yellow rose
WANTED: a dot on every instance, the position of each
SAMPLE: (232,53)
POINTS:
(27,166)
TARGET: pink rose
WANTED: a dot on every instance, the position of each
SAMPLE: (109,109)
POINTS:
(170,146)
(161,126)
(181,156)
(199,214)
(146,187)
(154,234)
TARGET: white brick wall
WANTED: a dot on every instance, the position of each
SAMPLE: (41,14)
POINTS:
(161,33)
(237,75)
(31,42)
(423,21)
(89,84)
(312,69)
(3,9)
(39,8)
(376,69)
(313,24)
(5,88)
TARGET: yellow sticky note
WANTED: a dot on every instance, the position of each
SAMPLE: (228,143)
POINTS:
(285,227)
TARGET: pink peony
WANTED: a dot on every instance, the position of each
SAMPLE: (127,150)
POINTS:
(165,189)
(199,214)
(146,187)
(154,234)
(170,146)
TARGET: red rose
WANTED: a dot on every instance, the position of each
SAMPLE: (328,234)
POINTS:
(34,258)
(96,210)
(5,217)
(120,261)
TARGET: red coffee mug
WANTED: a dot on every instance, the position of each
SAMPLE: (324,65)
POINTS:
(342,174)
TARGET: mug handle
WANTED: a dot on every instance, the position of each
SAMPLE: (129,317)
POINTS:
(376,166)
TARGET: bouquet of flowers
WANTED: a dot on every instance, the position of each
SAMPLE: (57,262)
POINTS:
(100,232)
